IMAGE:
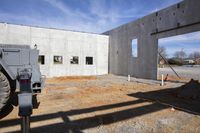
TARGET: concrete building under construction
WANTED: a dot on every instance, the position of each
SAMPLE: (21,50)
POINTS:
(62,52)
(65,53)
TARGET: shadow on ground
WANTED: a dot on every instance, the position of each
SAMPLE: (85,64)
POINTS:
(185,97)
(168,96)
(89,122)
(14,102)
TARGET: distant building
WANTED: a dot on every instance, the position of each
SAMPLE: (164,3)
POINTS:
(162,63)
(197,61)
(189,62)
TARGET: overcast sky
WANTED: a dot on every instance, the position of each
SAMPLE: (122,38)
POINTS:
(84,15)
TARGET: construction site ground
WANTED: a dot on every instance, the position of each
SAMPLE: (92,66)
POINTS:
(108,104)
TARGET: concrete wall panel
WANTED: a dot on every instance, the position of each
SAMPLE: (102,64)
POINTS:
(178,19)
(53,42)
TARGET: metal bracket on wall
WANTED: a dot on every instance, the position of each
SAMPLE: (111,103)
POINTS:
(175,28)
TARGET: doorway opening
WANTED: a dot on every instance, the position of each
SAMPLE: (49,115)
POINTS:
(179,57)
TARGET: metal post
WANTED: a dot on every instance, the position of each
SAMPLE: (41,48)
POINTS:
(25,99)
(25,127)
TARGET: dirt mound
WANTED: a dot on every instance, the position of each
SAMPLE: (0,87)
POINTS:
(190,90)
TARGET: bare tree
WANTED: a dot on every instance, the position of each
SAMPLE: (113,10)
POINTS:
(180,54)
(195,55)
(163,53)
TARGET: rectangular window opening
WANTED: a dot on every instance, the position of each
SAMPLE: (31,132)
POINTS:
(41,59)
(58,59)
(134,48)
(89,61)
(74,60)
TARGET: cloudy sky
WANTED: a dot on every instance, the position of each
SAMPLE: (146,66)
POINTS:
(84,15)
(189,43)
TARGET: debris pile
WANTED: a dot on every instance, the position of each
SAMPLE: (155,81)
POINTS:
(191,90)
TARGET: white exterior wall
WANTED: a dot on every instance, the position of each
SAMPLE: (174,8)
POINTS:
(52,42)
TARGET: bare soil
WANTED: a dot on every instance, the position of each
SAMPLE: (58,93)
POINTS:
(107,104)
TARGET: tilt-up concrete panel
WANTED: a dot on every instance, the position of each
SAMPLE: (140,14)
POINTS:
(55,42)
(181,18)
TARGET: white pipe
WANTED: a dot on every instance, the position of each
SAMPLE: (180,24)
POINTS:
(129,78)
(162,80)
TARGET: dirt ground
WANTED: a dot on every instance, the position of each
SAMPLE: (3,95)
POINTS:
(108,104)
(182,71)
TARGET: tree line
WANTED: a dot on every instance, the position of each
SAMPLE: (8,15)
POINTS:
(179,57)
